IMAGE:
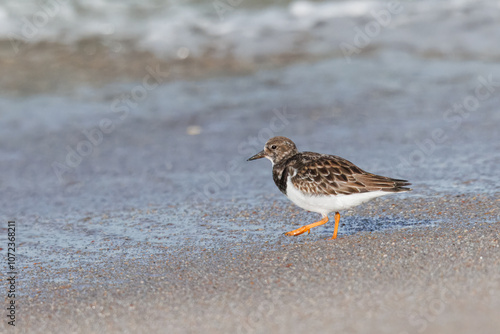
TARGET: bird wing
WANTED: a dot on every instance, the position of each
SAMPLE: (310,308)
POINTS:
(321,174)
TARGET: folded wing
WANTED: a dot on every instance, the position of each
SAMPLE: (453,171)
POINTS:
(331,175)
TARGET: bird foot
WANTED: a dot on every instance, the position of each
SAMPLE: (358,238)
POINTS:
(307,228)
(299,231)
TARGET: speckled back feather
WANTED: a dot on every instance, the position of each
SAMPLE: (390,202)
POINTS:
(322,174)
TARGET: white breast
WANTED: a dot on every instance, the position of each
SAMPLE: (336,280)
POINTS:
(325,204)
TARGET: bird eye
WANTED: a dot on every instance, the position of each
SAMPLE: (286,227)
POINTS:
(273,147)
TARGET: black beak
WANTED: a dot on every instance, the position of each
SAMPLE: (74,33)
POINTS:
(259,155)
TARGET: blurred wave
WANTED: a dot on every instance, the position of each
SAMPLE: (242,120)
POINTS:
(55,45)
(234,28)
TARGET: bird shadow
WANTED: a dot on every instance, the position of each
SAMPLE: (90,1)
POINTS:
(355,224)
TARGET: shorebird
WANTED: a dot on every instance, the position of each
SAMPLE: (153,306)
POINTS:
(323,183)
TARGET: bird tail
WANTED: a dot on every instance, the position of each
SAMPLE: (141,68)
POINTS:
(399,185)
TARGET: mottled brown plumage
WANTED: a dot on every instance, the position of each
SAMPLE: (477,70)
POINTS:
(323,174)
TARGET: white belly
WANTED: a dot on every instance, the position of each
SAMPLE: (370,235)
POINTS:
(325,204)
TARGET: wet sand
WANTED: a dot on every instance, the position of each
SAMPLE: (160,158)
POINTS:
(435,279)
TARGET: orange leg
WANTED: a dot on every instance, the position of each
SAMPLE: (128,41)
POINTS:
(307,228)
(336,229)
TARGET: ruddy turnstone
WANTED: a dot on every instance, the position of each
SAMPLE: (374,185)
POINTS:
(323,183)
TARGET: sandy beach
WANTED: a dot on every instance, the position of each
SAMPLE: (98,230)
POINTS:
(124,139)
(436,279)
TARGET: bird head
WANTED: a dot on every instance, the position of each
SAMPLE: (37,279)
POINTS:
(276,149)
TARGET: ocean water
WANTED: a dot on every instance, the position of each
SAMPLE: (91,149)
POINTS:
(130,123)
(253,32)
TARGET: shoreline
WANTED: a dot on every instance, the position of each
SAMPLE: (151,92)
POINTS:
(435,279)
